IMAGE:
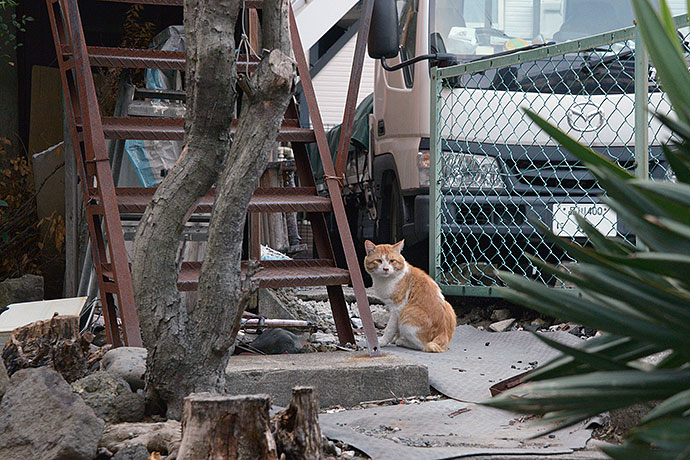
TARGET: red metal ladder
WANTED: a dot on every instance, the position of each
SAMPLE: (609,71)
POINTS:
(104,202)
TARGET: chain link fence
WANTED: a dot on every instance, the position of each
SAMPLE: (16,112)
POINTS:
(493,169)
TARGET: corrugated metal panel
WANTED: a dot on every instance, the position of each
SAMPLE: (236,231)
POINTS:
(330,84)
(518,18)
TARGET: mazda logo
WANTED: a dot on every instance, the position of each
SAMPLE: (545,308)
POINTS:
(585,117)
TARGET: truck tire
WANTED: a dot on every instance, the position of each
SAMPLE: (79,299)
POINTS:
(391,213)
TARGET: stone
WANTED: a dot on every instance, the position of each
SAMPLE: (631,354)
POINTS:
(502,326)
(103,454)
(28,288)
(500,315)
(340,378)
(4,379)
(163,437)
(110,397)
(42,418)
(320,294)
(137,452)
(277,341)
(531,327)
(127,362)
(380,318)
(271,305)
(324,338)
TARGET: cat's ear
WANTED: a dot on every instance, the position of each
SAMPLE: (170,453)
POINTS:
(370,247)
(399,246)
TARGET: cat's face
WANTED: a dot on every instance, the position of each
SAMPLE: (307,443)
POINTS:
(384,260)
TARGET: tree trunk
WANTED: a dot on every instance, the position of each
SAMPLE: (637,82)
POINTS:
(55,342)
(296,428)
(188,350)
(226,428)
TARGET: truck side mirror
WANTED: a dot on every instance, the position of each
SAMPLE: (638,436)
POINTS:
(384,41)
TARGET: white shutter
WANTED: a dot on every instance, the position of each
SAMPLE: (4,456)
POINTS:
(331,83)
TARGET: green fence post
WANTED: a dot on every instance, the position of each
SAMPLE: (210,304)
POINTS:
(434,211)
(641,108)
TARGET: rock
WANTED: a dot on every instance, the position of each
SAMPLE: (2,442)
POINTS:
(272,306)
(356,323)
(575,330)
(40,417)
(28,288)
(103,454)
(127,362)
(110,397)
(380,318)
(502,326)
(4,379)
(277,342)
(540,322)
(163,437)
(137,452)
(531,327)
(500,315)
(324,338)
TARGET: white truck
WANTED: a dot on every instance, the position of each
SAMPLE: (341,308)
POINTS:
(387,182)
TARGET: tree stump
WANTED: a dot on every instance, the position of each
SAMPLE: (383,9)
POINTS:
(55,342)
(296,428)
(222,427)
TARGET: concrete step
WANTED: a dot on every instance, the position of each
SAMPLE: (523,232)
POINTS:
(340,378)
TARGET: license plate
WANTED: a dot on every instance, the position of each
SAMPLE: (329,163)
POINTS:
(600,216)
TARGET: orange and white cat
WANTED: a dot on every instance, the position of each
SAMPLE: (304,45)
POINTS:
(420,317)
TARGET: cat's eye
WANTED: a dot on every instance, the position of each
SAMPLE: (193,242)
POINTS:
(377,261)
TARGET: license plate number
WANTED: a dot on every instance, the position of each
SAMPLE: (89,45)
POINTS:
(600,216)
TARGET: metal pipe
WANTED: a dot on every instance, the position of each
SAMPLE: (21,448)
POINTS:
(641,108)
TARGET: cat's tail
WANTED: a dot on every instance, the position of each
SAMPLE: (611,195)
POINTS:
(438,345)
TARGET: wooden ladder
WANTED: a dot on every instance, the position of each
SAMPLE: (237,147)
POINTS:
(104,202)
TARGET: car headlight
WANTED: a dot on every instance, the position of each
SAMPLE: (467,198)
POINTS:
(469,171)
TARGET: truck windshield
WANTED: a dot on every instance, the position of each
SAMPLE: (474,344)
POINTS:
(475,28)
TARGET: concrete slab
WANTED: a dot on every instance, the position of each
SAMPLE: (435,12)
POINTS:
(340,378)
(320,294)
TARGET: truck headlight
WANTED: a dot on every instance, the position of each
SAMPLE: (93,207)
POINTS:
(469,171)
(423,164)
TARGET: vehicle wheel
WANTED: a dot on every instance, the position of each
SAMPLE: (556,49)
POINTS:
(391,214)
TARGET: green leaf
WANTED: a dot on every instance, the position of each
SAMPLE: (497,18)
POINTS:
(629,451)
(668,60)
(675,405)
(679,164)
(584,310)
(601,242)
(585,154)
(623,349)
(598,391)
(672,265)
(3,203)
(595,360)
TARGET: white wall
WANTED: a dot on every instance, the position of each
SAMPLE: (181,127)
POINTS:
(331,83)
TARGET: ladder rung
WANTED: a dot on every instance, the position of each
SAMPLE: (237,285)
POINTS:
(274,274)
(248,3)
(265,199)
(133,58)
(149,128)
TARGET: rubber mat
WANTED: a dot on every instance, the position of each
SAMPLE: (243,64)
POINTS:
(476,360)
(446,429)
